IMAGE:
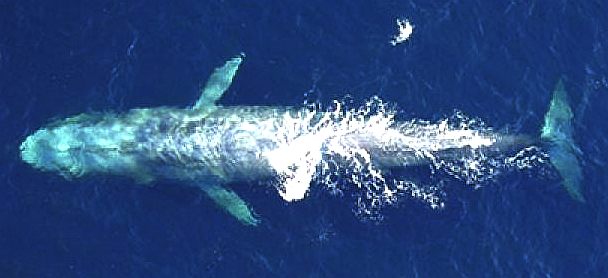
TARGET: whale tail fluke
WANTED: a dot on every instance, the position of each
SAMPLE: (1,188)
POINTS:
(558,133)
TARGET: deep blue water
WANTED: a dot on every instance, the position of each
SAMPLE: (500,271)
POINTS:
(496,61)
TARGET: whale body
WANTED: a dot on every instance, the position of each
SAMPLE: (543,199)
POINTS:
(209,146)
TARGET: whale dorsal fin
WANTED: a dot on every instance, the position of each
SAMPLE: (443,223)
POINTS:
(218,83)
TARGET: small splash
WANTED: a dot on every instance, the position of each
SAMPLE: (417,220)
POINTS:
(405,31)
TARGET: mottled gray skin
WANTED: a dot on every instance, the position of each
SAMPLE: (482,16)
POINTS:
(225,144)
(222,145)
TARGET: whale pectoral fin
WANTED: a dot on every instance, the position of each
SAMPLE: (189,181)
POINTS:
(218,82)
(143,179)
(232,203)
(141,176)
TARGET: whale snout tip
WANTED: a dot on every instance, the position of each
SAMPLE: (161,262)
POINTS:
(39,150)
(54,150)
(29,150)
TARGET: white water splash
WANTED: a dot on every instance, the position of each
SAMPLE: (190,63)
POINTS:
(405,29)
(329,148)
(309,139)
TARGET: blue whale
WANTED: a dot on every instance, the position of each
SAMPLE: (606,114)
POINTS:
(209,146)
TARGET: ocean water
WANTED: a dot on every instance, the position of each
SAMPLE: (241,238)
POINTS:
(495,61)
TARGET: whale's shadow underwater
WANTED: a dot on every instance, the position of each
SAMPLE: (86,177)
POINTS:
(210,146)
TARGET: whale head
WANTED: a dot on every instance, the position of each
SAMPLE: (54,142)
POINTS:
(56,148)
(80,145)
